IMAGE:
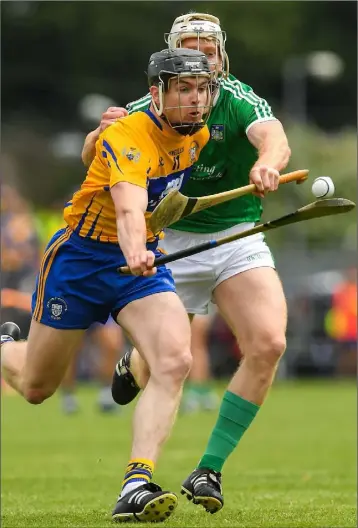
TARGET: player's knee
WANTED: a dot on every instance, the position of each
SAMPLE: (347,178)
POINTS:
(269,349)
(37,395)
(276,348)
(175,365)
(186,363)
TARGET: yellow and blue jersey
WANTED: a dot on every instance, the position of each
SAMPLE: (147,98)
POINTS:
(78,283)
(138,150)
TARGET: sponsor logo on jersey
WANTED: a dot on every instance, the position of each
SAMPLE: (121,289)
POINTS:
(200,172)
(160,187)
(217,132)
(176,151)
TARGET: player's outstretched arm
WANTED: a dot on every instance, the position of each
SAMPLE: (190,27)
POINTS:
(131,202)
(89,147)
(274,153)
(108,118)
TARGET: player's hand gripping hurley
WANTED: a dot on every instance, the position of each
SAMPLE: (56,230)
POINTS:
(175,205)
(319,209)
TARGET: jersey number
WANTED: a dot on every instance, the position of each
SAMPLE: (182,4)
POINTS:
(176,163)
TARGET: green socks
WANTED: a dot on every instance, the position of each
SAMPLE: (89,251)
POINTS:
(235,416)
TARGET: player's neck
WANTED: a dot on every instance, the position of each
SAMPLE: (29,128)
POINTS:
(166,128)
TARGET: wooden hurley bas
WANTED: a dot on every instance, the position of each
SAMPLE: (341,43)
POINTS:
(319,209)
(175,205)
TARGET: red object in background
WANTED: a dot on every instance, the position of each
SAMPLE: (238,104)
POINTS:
(224,334)
(344,312)
(11,298)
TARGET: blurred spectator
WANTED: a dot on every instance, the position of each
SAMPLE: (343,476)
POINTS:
(24,238)
(20,254)
(48,222)
(341,322)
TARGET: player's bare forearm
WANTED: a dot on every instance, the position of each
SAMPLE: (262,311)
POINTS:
(89,147)
(131,230)
(273,155)
(130,203)
(271,142)
(274,152)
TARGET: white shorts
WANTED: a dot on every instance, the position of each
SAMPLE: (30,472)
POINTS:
(197,276)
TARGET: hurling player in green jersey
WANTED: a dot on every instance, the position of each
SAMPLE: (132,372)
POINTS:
(247,145)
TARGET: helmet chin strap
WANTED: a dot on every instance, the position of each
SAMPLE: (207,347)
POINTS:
(159,109)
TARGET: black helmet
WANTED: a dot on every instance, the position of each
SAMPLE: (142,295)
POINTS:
(170,62)
(180,62)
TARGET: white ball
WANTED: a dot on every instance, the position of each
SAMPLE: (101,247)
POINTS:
(323,187)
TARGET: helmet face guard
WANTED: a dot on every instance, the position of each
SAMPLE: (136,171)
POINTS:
(182,126)
(200,26)
(169,65)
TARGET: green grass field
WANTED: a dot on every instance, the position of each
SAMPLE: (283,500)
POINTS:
(296,467)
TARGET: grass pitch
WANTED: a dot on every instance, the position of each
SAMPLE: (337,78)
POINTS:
(296,466)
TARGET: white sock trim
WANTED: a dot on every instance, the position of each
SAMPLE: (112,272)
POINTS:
(132,486)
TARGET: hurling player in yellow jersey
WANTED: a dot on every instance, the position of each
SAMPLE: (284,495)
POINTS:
(138,160)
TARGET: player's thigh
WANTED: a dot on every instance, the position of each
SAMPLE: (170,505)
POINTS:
(49,354)
(157,324)
(253,304)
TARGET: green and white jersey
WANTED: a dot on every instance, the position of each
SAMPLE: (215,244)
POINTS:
(226,160)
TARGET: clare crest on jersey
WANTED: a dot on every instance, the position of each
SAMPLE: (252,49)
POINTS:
(193,151)
(132,153)
(217,132)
